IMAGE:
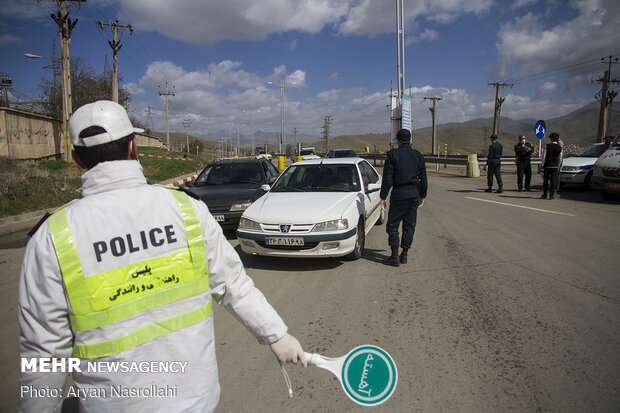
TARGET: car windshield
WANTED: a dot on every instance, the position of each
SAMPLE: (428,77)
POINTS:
(307,152)
(318,178)
(345,154)
(230,173)
(593,151)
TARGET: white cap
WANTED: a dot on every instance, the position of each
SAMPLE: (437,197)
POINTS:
(108,115)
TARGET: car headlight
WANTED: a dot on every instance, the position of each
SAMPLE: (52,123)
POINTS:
(245,223)
(570,168)
(333,225)
(240,207)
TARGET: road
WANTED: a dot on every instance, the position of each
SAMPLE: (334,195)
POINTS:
(508,303)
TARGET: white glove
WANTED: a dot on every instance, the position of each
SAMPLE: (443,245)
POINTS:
(421,202)
(288,350)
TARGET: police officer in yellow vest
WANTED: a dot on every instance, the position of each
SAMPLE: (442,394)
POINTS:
(128,273)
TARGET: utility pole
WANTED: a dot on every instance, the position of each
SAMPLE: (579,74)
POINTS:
(166,94)
(498,104)
(328,120)
(149,112)
(186,124)
(116,46)
(606,98)
(65,26)
(252,130)
(295,139)
(434,112)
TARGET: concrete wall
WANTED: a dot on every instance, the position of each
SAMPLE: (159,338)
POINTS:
(25,135)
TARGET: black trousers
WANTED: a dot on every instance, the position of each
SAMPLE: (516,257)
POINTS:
(493,168)
(405,211)
(550,180)
(524,167)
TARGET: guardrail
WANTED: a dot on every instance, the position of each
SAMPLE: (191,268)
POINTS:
(450,160)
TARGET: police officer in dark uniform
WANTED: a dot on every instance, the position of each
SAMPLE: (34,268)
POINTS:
(405,172)
(551,161)
(523,153)
(494,162)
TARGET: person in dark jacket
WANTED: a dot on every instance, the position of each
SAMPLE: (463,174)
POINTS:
(551,161)
(405,173)
(523,153)
(494,163)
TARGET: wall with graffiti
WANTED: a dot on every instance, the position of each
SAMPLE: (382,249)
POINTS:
(25,135)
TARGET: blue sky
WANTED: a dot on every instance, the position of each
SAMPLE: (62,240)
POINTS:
(337,57)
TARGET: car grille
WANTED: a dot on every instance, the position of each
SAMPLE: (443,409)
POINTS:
(295,229)
(610,172)
(307,246)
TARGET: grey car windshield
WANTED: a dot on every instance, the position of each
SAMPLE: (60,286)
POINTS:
(593,151)
(230,173)
(318,178)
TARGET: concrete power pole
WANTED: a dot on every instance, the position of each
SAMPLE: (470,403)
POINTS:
(166,94)
(295,140)
(606,99)
(65,26)
(434,112)
(186,124)
(498,104)
(116,46)
(328,120)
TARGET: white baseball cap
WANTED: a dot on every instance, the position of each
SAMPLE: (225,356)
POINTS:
(105,114)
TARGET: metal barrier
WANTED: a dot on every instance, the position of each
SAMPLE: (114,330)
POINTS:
(451,160)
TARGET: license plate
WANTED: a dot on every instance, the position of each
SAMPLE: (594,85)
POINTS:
(285,241)
(219,218)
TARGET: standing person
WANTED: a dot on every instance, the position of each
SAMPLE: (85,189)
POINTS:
(523,153)
(494,163)
(128,274)
(551,161)
(405,172)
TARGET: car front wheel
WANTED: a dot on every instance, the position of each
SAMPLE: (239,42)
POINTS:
(360,240)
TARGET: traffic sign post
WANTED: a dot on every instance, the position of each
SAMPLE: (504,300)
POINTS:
(368,374)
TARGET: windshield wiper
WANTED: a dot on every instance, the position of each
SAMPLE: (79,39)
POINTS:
(286,188)
(330,189)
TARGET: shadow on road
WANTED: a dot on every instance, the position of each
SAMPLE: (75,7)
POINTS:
(375,255)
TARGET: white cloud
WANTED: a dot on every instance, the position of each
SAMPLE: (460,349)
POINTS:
(427,34)
(7,39)
(529,44)
(134,89)
(293,45)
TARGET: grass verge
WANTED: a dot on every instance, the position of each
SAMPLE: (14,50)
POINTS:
(27,186)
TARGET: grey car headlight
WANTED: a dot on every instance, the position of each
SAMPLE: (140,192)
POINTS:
(333,225)
(240,207)
(245,223)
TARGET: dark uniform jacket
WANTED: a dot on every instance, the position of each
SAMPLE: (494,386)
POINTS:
(520,151)
(495,152)
(405,172)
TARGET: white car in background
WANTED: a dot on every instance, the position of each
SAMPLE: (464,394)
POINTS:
(606,176)
(578,168)
(316,208)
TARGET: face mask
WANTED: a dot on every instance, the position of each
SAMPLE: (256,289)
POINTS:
(522,141)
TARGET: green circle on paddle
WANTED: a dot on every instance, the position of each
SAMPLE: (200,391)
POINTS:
(369,375)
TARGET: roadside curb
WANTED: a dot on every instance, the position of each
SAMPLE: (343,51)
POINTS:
(16,223)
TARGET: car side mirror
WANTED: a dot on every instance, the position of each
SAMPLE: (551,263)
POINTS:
(265,187)
(373,187)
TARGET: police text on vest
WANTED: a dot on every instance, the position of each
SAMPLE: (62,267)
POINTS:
(129,243)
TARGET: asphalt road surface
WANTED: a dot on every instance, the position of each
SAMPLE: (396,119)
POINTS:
(508,303)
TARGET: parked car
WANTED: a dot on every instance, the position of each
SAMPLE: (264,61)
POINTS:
(316,208)
(606,174)
(229,186)
(578,168)
(341,153)
(308,153)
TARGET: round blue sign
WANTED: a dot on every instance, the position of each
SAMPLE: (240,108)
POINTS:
(540,130)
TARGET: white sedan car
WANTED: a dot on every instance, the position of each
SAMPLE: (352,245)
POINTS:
(316,208)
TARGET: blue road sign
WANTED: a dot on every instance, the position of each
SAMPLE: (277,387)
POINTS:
(540,130)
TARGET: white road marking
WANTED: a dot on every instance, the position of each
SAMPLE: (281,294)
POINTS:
(521,206)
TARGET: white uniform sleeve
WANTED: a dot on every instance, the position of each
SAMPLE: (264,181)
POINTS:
(44,324)
(232,288)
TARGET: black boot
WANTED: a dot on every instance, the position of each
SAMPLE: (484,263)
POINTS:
(489,189)
(403,256)
(393,259)
(499,190)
